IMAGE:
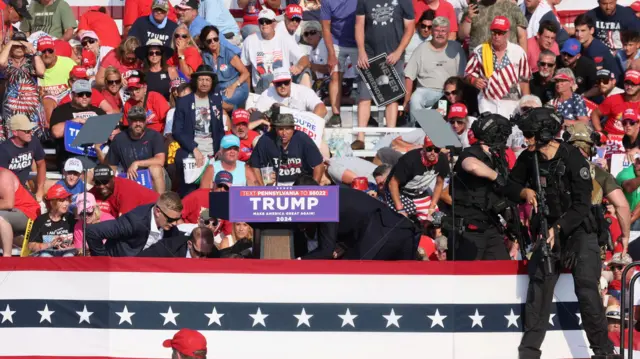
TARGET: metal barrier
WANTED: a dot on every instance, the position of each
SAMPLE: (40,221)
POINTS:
(623,305)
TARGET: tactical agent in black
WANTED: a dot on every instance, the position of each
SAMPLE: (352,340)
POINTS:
(480,173)
(566,181)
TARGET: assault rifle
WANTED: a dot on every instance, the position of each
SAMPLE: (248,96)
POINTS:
(543,228)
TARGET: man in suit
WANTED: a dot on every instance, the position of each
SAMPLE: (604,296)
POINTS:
(136,230)
(198,245)
(368,230)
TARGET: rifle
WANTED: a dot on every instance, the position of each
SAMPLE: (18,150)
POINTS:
(543,212)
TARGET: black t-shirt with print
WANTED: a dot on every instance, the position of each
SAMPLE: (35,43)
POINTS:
(44,229)
(384,23)
(413,177)
(144,30)
(124,150)
(19,159)
(64,113)
(300,156)
(546,92)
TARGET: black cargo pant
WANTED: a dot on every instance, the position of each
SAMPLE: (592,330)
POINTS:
(586,275)
(477,245)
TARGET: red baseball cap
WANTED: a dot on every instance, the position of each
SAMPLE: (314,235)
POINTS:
(293,11)
(187,342)
(428,142)
(79,72)
(45,43)
(88,59)
(630,114)
(562,76)
(360,183)
(240,116)
(635,6)
(500,23)
(62,48)
(458,110)
(57,192)
(134,82)
(633,76)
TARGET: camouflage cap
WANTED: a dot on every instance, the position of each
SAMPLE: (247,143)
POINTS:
(285,120)
(580,132)
(136,113)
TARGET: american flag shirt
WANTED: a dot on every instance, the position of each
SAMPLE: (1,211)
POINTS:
(507,73)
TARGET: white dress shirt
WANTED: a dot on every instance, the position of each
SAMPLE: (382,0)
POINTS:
(155,233)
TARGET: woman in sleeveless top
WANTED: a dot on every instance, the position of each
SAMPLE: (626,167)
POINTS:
(158,74)
(228,161)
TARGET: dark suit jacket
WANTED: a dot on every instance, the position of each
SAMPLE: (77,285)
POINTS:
(184,122)
(126,236)
(167,247)
(366,226)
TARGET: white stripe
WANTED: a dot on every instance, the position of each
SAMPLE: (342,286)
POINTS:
(288,345)
(269,288)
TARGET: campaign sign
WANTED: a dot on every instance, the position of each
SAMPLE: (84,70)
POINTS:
(284,204)
(71,130)
(144,178)
(307,122)
(382,80)
(614,145)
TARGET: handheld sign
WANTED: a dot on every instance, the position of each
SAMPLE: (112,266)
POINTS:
(284,204)
(71,130)
(144,178)
(382,81)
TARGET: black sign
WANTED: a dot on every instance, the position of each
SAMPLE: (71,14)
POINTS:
(382,80)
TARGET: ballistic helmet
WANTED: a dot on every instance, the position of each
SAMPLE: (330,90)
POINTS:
(492,129)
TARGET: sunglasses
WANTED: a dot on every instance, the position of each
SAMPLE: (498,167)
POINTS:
(154,53)
(428,27)
(169,219)
(98,183)
(26,132)
(87,42)
(265,22)
(566,54)
(83,94)
(89,214)
(457,122)
(629,83)
(450,93)
(223,186)
(498,33)
(603,81)
(546,64)
(295,19)
(47,51)
(283,83)
(114,82)
(309,33)
(629,123)
(616,267)
(432,148)
(180,36)
(212,40)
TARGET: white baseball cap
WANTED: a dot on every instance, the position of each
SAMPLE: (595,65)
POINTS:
(281,74)
(267,14)
(73,165)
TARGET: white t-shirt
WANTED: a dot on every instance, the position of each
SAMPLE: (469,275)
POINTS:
(319,56)
(301,98)
(266,55)
(282,28)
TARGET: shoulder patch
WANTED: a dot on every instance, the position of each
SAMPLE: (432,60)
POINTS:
(584,173)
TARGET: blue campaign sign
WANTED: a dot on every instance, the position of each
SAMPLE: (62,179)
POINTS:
(71,130)
(144,178)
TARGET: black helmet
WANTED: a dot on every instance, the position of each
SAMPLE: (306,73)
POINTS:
(492,129)
(541,122)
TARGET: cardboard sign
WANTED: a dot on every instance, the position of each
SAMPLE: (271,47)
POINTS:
(284,204)
(382,80)
(307,122)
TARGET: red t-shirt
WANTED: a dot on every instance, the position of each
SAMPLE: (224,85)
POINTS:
(103,25)
(23,200)
(96,98)
(191,56)
(114,101)
(196,202)
(110,59)
(133,9)
(251,12)
(157,108)
(613,107)
(246,145)
(126,196)
(444,9)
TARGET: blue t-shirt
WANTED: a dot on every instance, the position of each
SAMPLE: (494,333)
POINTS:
(199,23)
(342,14)
(216,12)
(608,28)
(300,156)
(572,108)
(601,55)
(75,191)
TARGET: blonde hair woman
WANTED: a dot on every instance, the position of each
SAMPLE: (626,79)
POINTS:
(122,58)
(112,88)
(186,56)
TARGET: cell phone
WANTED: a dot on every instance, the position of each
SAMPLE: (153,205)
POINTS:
(442,105)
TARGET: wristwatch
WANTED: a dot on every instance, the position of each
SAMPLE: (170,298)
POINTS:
(181,57)
(38,53)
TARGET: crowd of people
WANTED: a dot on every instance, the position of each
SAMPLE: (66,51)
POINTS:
(208,102)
